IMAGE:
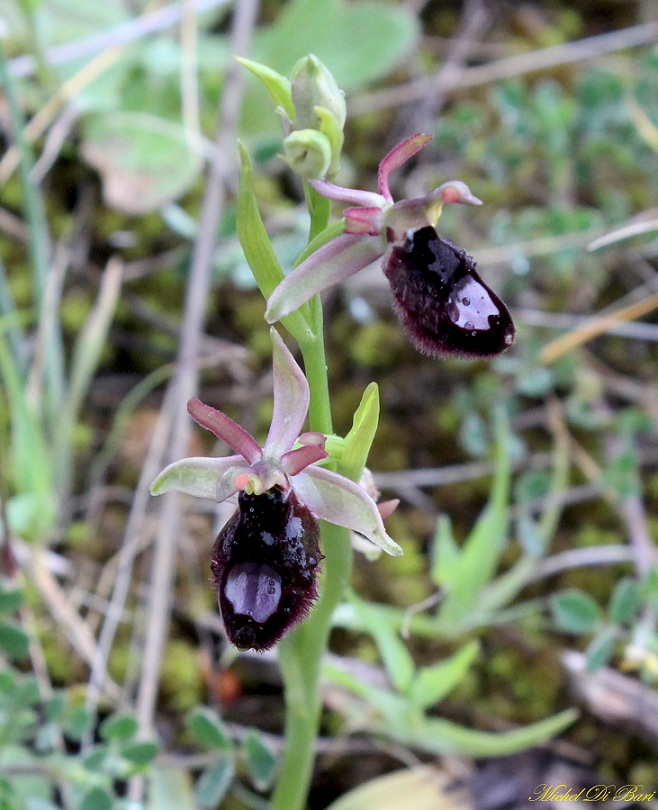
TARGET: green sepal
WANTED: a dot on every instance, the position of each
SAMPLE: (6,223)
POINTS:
(359,440)
(308,153)
(276,85)
(258,249)
(330,127)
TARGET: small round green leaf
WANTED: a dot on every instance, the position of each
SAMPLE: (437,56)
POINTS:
(207,729)
(78,723)
(575,611)
(600,649)
(214,782)
(119,727)
(10,601)
(13,641)
(625,601)
(97,799)
(140,753)
(261,762)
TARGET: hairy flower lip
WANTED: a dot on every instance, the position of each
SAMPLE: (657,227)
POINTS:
(279,462)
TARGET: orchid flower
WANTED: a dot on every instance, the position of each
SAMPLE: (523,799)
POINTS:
(443,304)
(265,559)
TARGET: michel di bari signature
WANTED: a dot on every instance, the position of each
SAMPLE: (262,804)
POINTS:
(595,793)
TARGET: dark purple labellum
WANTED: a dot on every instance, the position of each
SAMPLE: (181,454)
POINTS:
(264,564)
(444,306)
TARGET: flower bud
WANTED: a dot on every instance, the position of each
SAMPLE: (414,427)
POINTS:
(264,564)
(313,86)
(308,153)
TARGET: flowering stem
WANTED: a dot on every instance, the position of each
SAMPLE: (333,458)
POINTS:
(302,650)
(315,367)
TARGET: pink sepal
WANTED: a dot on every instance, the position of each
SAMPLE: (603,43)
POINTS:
(396,157)
(226,429)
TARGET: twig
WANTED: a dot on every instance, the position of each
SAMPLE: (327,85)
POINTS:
(184,384)
(580,558)
(76,629)
(454,473)
(594,327)
(531,62)
(473,24)
(122,34)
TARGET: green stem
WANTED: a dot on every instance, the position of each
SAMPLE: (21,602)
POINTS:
(302,650)
(300,657)
(315,367)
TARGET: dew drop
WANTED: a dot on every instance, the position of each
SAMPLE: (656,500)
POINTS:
(466,302)
(469,325)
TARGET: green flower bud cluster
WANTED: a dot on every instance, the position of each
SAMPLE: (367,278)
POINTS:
(313,110)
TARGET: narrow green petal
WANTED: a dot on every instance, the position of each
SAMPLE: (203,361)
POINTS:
(277,85)
(257,247)
(359,440)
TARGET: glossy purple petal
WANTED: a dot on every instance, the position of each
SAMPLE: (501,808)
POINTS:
(396,157)
(291,399)
(443,304)
(295,461)
(202,477)
(334,262)
(264,564)
(338,500)
(348,195)
(226,429)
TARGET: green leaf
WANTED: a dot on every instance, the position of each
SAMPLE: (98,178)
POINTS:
(600,649)
(359,440)
(31,511)
(445,553)
(119,727)
(432,684)
(30,784)
(95,760)
(207,728)
(442,737)
(13,641)
(575,611)
(214,782)
(78,723)
(97,799)
(144,161)
(140,753)
(395,656)
(11,600)
(28,693)
(625,601)
(358,42)
(261,762)
(392,708)
(258,249)
(277,85)
(170,789)
(468,572)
